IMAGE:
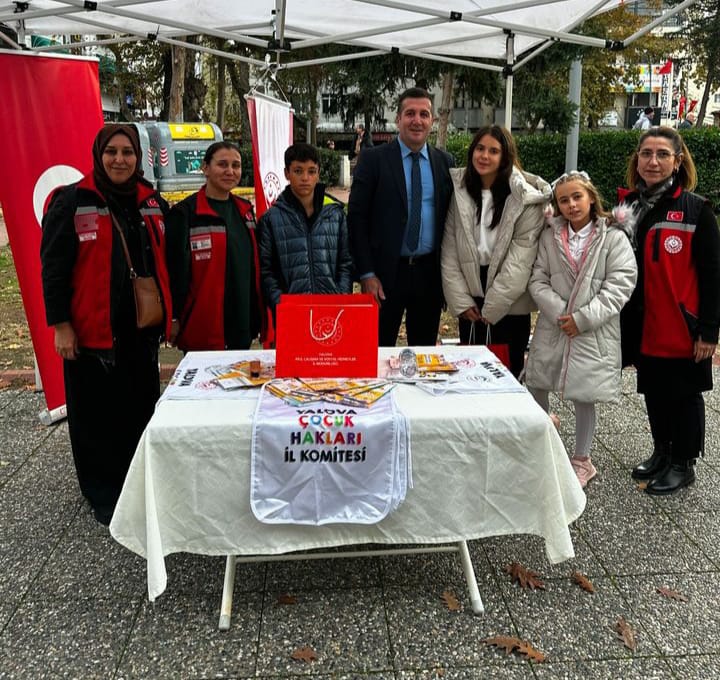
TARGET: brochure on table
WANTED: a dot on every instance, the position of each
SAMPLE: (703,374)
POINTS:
(227,375)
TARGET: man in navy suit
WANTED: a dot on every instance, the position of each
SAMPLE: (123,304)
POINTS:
(396,216)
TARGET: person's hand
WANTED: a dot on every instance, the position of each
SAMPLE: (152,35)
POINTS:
(66,341)
(472,314)
(568,326)
(373,286)
(704,350)
(174,330)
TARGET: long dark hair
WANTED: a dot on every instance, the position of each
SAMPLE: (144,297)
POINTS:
(500,188)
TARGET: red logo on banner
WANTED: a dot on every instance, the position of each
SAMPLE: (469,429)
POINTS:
(49,146)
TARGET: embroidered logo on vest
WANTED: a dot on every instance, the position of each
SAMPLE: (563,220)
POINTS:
(673,244)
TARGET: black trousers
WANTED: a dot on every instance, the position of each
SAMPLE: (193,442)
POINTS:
(678,421)
(512,330)
(108,407)
(418,294)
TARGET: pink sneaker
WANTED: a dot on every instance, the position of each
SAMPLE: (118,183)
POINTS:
(584,469)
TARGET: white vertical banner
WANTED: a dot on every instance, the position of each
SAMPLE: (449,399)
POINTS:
(271,129)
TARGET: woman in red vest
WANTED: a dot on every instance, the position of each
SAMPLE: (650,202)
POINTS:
(110,365)
(670,326)
(212,258)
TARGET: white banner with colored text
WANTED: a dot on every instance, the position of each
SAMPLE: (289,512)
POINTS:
(326,463)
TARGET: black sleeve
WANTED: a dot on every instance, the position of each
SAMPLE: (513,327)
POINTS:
(58,253)
(359,216)
(270,270)
(706,253)
(177,255)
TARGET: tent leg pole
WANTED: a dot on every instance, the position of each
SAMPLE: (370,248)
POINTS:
(574,87)
(508,73)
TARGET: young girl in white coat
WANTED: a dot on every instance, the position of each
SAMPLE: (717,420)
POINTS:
(584,274)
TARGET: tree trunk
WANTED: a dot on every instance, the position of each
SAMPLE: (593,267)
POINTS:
(709,86)
(239,73)
(448,86)
(177,86)
(220,111)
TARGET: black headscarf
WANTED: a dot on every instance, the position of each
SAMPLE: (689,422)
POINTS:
(106,186)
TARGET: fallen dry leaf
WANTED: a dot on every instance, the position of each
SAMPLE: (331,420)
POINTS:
(505,642)
(439,672)
(526,649)
(511,644)
(626,634)
(527,578)
(671,594)
(286,599)
(642,485)
(451,602)
(306,654)
(583,581)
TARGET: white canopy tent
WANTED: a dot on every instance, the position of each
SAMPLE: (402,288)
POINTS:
(474,33)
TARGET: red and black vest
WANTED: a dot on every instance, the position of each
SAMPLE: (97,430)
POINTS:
(671,298)
(91,278)
(202,322)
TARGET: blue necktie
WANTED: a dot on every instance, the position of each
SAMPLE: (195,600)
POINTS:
(413,232)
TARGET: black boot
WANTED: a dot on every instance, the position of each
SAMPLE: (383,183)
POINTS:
(655,465)
(676,476)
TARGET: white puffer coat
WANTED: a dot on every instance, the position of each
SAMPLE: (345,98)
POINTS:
(513,255)
(587,367)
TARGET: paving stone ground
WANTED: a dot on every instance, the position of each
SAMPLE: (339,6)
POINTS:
(73,602)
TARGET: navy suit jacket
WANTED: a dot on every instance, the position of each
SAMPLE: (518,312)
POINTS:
(378,208)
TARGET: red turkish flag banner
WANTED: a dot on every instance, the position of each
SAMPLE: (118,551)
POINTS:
(51,111)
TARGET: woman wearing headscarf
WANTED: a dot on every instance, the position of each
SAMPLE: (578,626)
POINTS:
(110,365)
(670,326)
(212,257)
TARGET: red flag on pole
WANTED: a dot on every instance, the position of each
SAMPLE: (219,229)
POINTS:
(666,68)
(50,106)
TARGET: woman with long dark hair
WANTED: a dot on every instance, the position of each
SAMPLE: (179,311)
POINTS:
(490,242)
(670,326)
(112,381)
(213,260)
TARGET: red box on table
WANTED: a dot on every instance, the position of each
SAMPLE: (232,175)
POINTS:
(326,336)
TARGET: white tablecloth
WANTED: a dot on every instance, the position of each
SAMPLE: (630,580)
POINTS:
(483,465)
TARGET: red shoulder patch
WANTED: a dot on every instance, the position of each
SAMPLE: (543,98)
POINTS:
(675,216)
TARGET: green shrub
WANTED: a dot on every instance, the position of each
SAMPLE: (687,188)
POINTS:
(246,180)
(603,155)
(329,167)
